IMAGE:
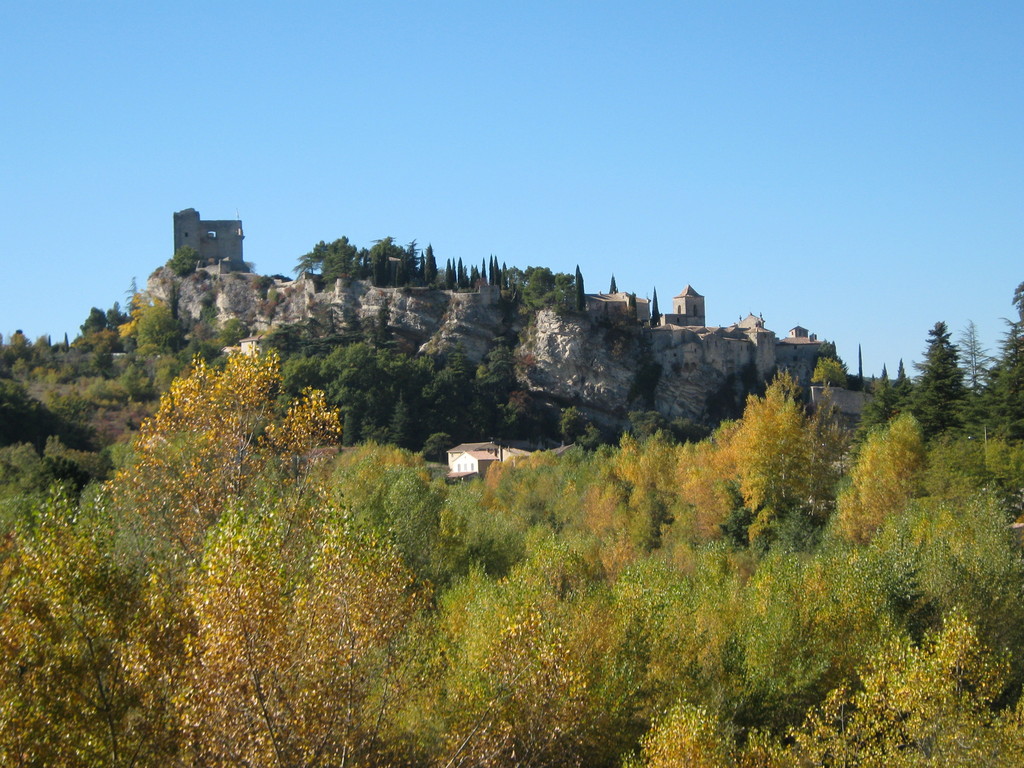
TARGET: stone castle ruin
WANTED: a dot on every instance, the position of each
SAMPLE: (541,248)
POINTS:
(218,242)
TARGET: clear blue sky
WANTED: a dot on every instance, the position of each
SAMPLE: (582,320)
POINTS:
(856,168)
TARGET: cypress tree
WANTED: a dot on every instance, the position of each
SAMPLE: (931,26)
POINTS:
(613,288)
(655,313)
(581,300)
(429,266)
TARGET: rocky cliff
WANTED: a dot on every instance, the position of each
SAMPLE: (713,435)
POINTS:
(425,320)
(604,366)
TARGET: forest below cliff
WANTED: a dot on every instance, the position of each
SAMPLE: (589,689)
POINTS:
(237,595)
(201,565)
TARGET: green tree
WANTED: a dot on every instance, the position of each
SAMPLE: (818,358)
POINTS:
(184,261)
(1006,395)
(884,404)
(312,262)
(581,300)
(157,332)
(572,424)
(341,261)
(939,395)
(829,372)
(429,266)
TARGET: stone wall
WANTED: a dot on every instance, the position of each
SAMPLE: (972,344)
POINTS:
(217,241)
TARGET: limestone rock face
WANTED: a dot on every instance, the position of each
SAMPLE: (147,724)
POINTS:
(565,361)
(421,319)
(605,366)
(474,321)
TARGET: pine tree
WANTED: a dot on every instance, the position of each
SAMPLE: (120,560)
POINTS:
(883,405)
(1006,391)
(449,276)
(940,395)
(655,313)
(613,288)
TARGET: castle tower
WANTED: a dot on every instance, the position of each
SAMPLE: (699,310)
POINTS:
(688,308)
(217,241)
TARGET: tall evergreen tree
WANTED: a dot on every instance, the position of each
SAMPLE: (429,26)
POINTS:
(613,288)
(400,426)
(973,357)
(939,395)
(655,312)
(429,266)
(460,275)
(903,386)
(883,405)
(581,301)
(413,266)
(1006,391)
(380,269)
(449,276)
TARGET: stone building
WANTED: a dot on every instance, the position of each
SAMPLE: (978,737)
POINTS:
(218,242)
(687,310)
(620,304)
(685,344)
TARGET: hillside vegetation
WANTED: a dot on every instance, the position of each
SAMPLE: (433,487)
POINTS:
(237,595)
(213,576)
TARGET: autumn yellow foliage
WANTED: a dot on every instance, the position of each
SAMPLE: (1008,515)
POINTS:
(883,480)
(213,432)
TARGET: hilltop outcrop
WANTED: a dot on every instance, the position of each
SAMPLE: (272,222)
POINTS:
(603,362)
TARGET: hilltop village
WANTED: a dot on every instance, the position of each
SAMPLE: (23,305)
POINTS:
(610,354)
